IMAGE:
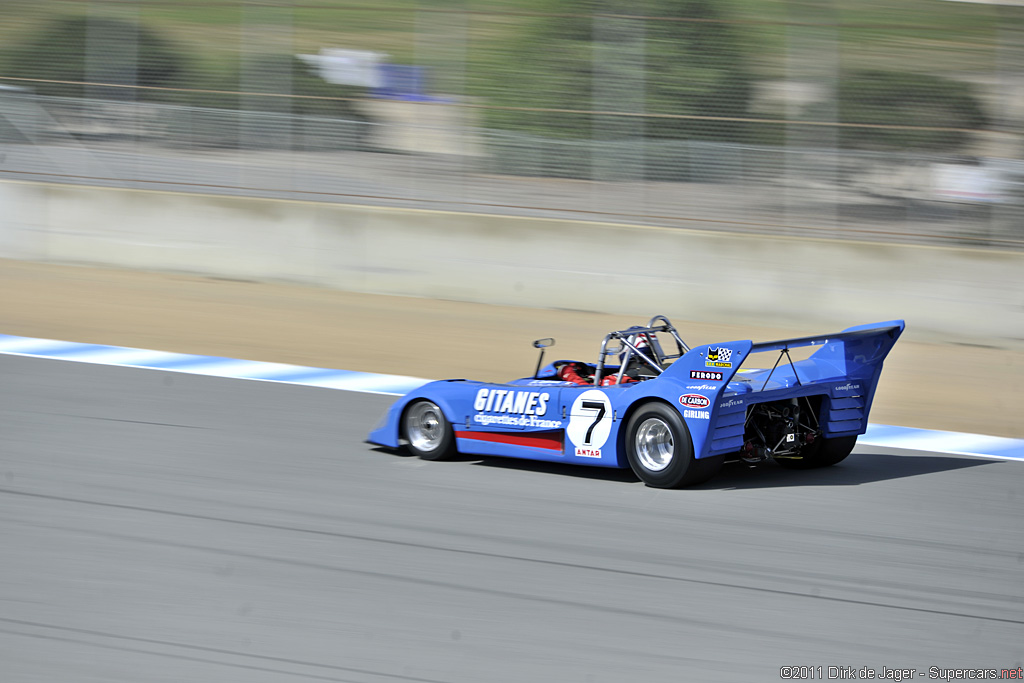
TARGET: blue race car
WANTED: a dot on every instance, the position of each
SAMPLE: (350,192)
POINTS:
(673,418)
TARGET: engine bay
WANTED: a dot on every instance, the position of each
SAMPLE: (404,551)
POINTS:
(781,429)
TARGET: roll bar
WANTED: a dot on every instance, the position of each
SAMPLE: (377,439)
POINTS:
(655,358)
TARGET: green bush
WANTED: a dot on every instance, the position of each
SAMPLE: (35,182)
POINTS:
(57,52)
(273,74)
(76,49)
(692,68)
(906,99)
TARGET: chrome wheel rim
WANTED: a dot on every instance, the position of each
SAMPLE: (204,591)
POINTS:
(654,445)
(424,426)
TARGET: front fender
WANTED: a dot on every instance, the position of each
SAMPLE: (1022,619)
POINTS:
(387,432)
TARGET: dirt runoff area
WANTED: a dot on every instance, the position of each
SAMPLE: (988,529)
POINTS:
(934,386)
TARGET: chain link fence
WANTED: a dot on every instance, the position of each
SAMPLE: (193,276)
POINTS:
(781,117)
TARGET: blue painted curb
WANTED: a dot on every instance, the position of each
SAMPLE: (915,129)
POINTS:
(366,382)
(888,436)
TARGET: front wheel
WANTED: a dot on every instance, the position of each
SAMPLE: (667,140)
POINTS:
(428,432)
(822,453)
(660,450)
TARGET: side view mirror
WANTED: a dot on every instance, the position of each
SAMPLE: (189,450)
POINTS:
(541,344)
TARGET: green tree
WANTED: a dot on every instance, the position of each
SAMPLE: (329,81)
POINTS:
(688,61)
(75,49)
(123,53)
(906,99)
(274,74)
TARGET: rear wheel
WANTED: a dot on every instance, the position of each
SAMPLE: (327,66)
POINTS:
(822,453)
(427,431)
(660,450)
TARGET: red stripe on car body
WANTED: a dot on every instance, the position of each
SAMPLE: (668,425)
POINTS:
(548,440)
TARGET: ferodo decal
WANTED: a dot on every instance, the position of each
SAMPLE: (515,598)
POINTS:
(718,358)
(713,375)
(505,407)
(590,423)
(695,401)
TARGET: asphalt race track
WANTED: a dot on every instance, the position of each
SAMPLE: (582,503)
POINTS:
(166,527)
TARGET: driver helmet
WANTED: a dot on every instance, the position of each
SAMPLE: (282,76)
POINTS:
(640,341)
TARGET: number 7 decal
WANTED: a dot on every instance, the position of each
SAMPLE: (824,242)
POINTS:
(590,421)
(601,409)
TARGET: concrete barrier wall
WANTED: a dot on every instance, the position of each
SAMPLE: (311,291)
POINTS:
(943,293)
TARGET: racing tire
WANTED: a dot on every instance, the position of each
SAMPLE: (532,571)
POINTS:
(427,432)
(823,453)
(660,450)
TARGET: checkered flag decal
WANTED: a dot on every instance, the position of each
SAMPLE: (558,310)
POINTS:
(719,354)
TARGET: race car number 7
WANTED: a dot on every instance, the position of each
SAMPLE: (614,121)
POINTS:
(601,410)
(590,419)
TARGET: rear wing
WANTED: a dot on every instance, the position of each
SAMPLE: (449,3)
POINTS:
(844,371)
(715,396)
(854,353)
